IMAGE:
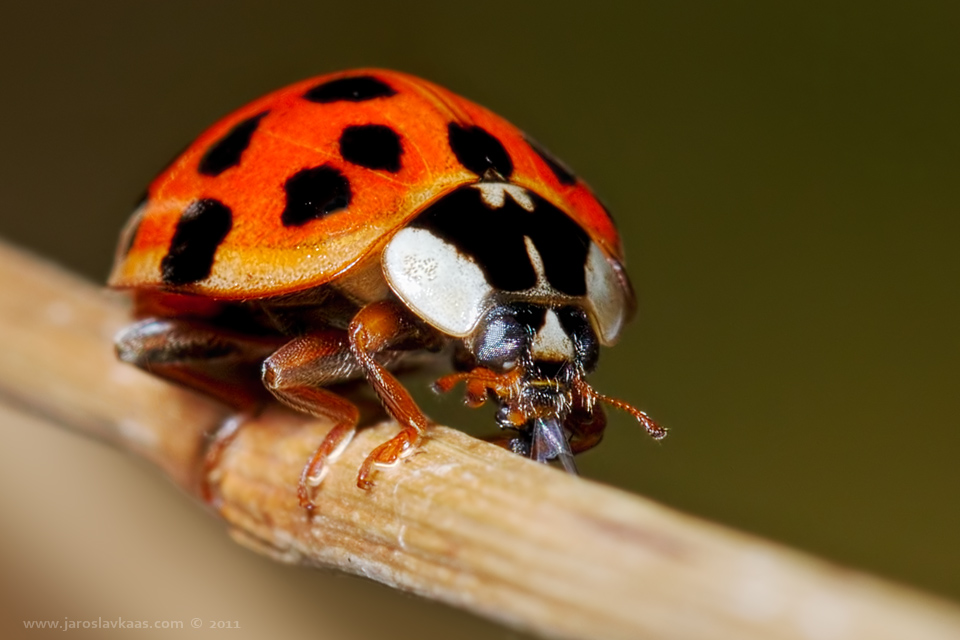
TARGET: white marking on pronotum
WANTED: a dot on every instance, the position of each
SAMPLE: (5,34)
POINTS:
(444,287)
(494,194)
(605,296)
(551,341)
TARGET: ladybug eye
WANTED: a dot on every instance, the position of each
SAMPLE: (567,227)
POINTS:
(503,341)
(585,343)
(502,344)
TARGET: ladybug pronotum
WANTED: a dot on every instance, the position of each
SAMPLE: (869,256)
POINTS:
(345,226)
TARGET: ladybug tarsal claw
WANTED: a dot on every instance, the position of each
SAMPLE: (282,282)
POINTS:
(389,454)
(304,500)
(217,443)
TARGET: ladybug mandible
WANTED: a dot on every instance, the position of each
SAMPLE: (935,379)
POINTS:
(347,225)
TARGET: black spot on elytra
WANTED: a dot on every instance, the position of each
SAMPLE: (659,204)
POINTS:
(356,89)
(314,193)
(479,151)
(200,230)
(226,152)
(559,169)
(495,239)
(374,146)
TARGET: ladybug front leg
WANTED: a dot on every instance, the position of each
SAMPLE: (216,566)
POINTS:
(379,326)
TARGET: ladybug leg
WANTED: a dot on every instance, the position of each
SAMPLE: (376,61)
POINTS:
(379,326)
(214,361)
(211,460)
(295,374)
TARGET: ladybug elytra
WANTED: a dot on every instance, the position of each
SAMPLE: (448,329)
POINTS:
(345,226)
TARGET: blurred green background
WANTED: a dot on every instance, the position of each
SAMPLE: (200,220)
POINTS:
(785,179)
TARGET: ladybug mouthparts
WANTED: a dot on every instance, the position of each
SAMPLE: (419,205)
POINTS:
(533,359)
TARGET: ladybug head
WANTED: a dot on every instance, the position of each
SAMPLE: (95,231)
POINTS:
(539,354)
(532,357)
(551,347)
(527,293)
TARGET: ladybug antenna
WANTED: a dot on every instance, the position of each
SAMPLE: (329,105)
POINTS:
(649,424)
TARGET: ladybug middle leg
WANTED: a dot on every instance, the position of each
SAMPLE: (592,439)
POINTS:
(379,326)
(379,337)
(296,374)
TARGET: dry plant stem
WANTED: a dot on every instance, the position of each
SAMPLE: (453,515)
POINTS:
(462,522)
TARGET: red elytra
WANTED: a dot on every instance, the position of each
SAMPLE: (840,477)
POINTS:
(262,257)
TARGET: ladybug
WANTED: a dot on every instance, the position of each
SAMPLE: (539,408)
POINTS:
(358,223)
